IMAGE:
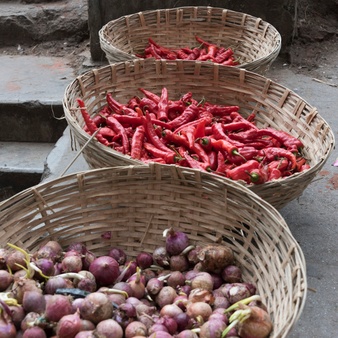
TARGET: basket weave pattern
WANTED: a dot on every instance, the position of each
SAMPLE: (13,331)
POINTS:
(136,203)
(275,106)
(255,42)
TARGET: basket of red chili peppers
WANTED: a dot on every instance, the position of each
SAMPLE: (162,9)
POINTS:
(231,122)
(98,217)
(210,34)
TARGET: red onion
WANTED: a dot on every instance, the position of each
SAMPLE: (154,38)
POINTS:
(3,257)
(144,260)
(221,302)
(157,327)
(78,247)
(72,262)
(109,328)
(33,301)
(202,280)
(183,321)
(212,329)
(232,274)
(217,280)
(51,250)
(170,323)
(148,274)
(105,269)
(166,296)
(176,241)
(6,279)
(57,283)
(186,334)
(34,332)
(126,271)
(124,286)
(178,263)
(199,309)
(17,315)
(14,258)
(87,259)
(96,307)
(22,285)
(57,306)
(135,328)
(86,325)
(160,256)
(68,326)
(29,320)
(170,310)
(237,291)
(118,254)
(7,328)
(154,286)
(128,309)
(137,285)
(160,334)
(86,334)
(46,266)
(201,295)
(192,255)
(176,279)
(76,304)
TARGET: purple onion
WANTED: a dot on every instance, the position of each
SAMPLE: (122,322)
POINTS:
(46,265)
(178,263)
(33,301)
(105,269)
(57,306)
(72,262)
(212,329)
(109,328)
(154,286)
(176,241)
(160,256)
(34,332)
(6,280)
(118,254)
(144,260)
(232,274)
(57,283)
(69,325)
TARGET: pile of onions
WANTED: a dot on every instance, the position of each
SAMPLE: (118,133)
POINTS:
(178,290)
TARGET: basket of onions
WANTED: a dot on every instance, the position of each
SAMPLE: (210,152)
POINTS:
(147,251)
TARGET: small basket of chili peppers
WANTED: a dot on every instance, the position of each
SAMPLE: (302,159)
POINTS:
(193,33)
(105,233)
(233,123)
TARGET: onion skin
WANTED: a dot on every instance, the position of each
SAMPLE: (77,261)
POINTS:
(6,279)
(144,260)
(96,307)
(22,285)
(160,256)
(108,328)
(105,269)
(57,283)
(7,329)
(199,309)
(33,301)
(46,265)
(34,332)
(154,286)
(118,254)
(160,334)
(68,326)
(178,263)
(135,328)
(57,306)
(166,296)
(202,280)
(14,258)
(212,329)
(186,334)
(232,274)
(215,257)
(258,325)
(86,334)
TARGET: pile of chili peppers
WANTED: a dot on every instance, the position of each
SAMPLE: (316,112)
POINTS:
(202,135)
(206,51)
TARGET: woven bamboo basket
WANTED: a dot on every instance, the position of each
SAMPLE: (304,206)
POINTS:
(275,106)
(136,203)
(256,43)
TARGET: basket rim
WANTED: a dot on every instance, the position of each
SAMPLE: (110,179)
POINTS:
(104,37)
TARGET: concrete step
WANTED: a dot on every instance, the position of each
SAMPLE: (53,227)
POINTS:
(30,23)
(22,165)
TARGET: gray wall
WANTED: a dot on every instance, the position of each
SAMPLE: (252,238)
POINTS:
(280,13)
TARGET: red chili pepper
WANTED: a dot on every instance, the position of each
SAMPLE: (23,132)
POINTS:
(196,164)
(133,102)
(225,55)
(222,167)
(201,153)
(273,153)
(188,115)
(118,107)
(221,110)
(181,55)
(290,142)
(107,132)
(148,104)
(199,130)
(152,135)
(176,139)
(242,172)
(150,95)
(113,123)
(274,174)
(202,42)
(92,128)
(304,167)
(169,157)
(233,126)
(189,134)
(212,159)
(162,111)
(127,120)
(259,175)
(281,164)
(137,142)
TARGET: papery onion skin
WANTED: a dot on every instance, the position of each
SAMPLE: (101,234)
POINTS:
(22,285)
(258,325)
(154,286)
(14,258)
(160,256)
(212,329)
(72,262)
(108,328)
(135,328)
(105,269)
(68,326)
(6,279)
(57,306)
(202,280)
(96,307)
(34,332)
(199,309)
(166,296)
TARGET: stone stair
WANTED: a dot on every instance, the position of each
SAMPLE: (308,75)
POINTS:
(32,84)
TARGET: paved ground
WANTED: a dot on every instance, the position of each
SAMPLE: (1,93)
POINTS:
(312,218)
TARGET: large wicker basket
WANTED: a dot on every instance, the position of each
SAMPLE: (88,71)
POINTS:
(255,42)
(274,105)
(136,203)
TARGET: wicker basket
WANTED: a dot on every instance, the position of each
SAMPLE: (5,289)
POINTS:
(255,42)
(274,105)
(136,203)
